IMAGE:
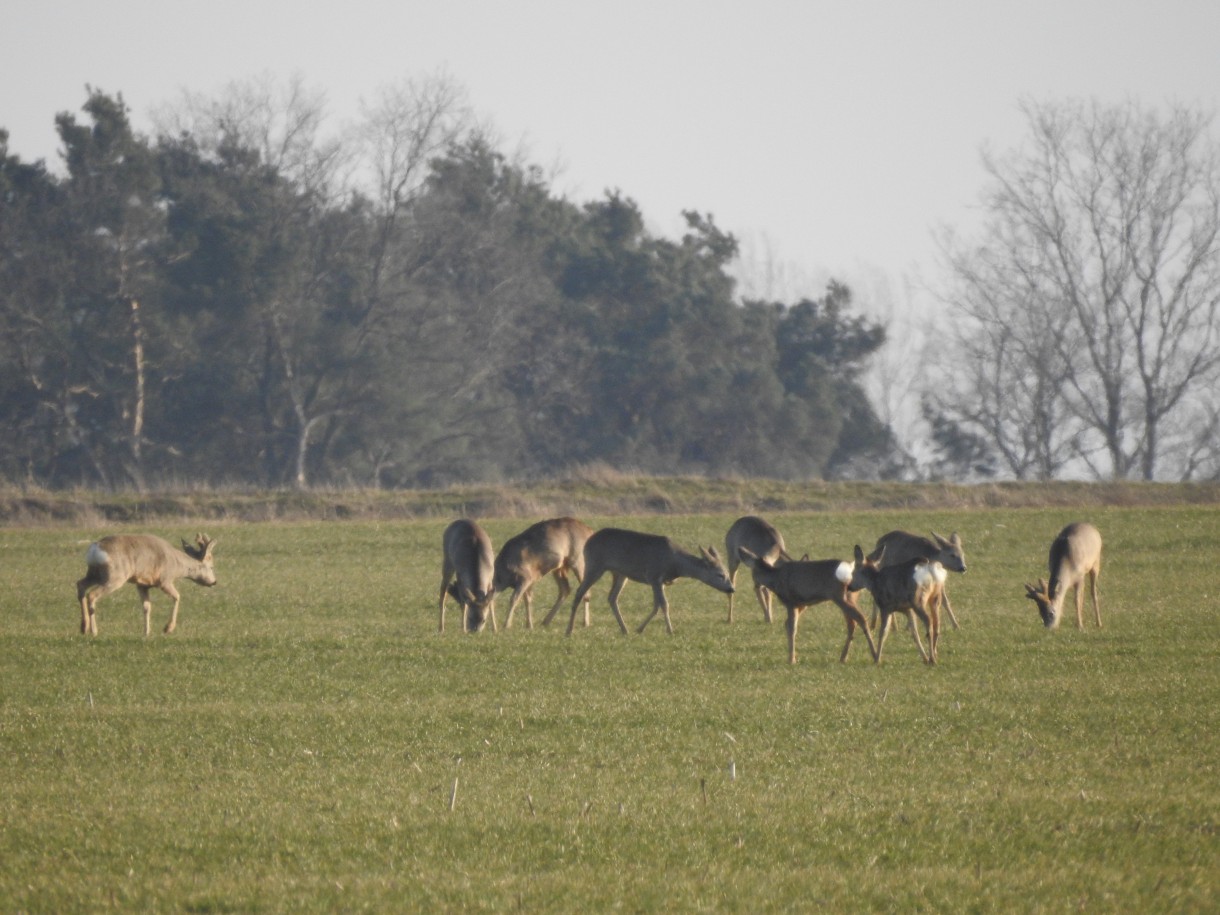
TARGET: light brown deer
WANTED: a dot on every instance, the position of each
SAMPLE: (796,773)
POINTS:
(468,557)
(147,562)
(804,583)
(1075,555)
(765,542)
(900,546)
(554,547)
(915,587)
(647,558)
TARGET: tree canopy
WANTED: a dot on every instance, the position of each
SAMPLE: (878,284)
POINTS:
(1088,308)
(242,300)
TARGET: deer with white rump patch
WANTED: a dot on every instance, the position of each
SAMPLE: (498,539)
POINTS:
(765,542)
(647,558)
(554,547)
(1075,555)
(804,583)
(916,587)
(898,547)
(468,558)
(147,562)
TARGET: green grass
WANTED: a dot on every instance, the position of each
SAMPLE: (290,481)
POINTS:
(295,745)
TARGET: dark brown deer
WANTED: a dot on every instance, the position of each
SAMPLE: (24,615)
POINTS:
(765,542)
(147,562)
(915,587)
(468,557)
(802,584)
(900,546)
(554,547)
(647,558)
(1075,555)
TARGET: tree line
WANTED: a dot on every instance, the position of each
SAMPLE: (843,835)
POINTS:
(246,300)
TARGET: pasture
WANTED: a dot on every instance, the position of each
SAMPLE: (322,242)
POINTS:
(306,741)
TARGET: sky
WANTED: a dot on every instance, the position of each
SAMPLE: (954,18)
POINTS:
(834,139)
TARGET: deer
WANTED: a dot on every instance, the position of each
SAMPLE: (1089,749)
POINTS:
(647,558)
(802,584)
(553,547)
(765,542)
(1075,555)
(469,562)
(146,561)
(901,546)
(916,587)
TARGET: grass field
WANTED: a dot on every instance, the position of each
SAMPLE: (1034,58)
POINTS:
(308,742)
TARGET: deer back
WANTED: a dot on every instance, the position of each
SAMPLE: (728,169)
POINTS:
(468,552)
(541,549)
(756,535)
(802,581)
(651,558)
(898,586)
(1074,553)
(902,546)
(149,561)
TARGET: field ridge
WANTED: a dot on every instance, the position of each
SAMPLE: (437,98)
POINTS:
(607,493)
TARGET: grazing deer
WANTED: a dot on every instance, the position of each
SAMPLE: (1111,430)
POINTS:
(647,558)
(899,547)
(555,547)
(469,557)
(146,561)
(1075,555)
(804,583)
(916,586)
(765,542)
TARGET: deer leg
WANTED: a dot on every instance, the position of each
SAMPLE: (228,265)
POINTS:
(561,580)
(446,574)
(491,611)
(91,591)
(1093,592)
(881,635)
(764,601)
(934,631)
(1078,593)
(616,588)
(949,609)
(732,581)
(853,617)
(518,591)
(86,611)
(169,589)
(794,618)
(659,603)
(587,581)
(915,634)
(146,604)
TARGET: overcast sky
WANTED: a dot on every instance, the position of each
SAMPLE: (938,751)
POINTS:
(834,135)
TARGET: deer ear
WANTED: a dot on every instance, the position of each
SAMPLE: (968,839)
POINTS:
(859,554)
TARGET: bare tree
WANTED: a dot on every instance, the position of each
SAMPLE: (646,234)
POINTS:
(1088,309)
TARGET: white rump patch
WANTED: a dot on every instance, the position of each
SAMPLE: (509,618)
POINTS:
(844,571)
(96,556)
(930,572)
